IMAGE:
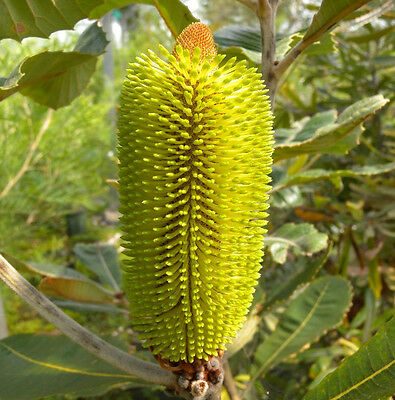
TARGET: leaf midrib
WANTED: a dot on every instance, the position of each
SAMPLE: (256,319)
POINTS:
(297,331)
(61,368)
(363,381)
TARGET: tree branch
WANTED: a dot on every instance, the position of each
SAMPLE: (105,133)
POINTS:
(196,388)
(267,10)
(98,347)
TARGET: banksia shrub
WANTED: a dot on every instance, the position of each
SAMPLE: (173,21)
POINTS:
(195,145)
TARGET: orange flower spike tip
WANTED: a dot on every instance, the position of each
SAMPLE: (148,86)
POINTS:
(196,35)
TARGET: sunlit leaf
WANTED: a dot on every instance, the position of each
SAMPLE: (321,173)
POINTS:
(329,14)
(336,137)
(56,78)
(25,18)
(302,238)
(175,14)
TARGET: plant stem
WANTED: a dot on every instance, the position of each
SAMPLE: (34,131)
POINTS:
(267,10)
(229,383)
(138,368)
(98,347)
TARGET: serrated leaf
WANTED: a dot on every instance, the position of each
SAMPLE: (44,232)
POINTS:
(319,307)
(331,138)
(56,78)
(285,290)
(305,128)
(102,260)
(39,366)
(367,374)
(75,289)
(302,238)
(321,174)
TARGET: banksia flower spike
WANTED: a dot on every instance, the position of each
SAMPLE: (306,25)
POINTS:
(195,146)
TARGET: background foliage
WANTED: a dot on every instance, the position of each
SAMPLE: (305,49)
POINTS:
(328,280)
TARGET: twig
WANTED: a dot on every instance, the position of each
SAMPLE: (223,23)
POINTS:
(26,164)
(138,368)
(229,383)
(267,10)
(98,347)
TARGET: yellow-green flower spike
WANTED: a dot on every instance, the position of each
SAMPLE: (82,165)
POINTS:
(195,146)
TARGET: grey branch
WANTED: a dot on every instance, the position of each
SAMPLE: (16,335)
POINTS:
(98,347)
(136,367)
(267,10)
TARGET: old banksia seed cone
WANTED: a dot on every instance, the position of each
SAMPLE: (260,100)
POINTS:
(195,145)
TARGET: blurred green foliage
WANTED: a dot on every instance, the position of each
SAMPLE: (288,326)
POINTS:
(351,216)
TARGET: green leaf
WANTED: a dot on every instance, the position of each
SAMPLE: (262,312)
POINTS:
(39,366)
(102,260)
(336,137)
(25,18)
(284,291)
(175,14)
(249,39)
(375,35)
(328,15)
(43,269)
(104,6)
(319,307)
(240,36)
(56,78)
(75,289)
(321,174)
(367,374)
(89,307)
(303,238)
